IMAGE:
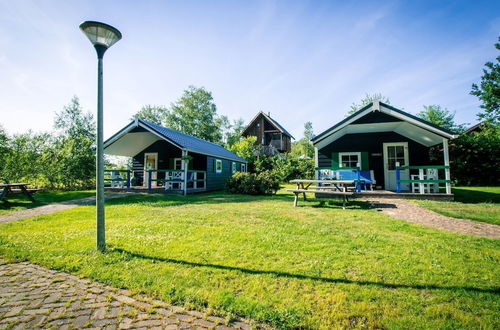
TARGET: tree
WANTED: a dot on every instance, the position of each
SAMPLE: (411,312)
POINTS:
(195,114)
(369,98)
(488,91)
(303,148)
(76,145)
(442,117)
(153,113)
(233,134)
(4,147)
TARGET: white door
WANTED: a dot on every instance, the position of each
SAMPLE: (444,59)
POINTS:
(396,152)
(150,163)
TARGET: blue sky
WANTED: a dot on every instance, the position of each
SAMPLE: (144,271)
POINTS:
(300,60)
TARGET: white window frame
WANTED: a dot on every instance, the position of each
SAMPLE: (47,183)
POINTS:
(217,162)
(350,154)
(233,167)
(175,163)
(243,168)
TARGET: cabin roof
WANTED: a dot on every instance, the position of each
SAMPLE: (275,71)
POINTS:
(409,125)
(272,121)
(179,139)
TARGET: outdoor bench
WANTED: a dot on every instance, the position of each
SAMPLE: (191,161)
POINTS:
(344,195)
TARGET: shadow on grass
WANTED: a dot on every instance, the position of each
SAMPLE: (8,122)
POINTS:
(304,277)
(467,196)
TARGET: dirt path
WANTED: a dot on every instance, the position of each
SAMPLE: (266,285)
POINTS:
(54,207)
(411,212)
(33,296)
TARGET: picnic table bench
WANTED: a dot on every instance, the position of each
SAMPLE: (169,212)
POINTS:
(8,189)
(334,188)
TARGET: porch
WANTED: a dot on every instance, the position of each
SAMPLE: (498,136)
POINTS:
(168,181)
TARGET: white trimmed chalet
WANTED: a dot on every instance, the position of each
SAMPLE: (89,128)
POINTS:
(393,145)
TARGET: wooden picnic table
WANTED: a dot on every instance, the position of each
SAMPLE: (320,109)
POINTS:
(329,187)
(7,190)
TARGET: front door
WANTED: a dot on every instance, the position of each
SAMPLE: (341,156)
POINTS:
(396,152)
(150,163)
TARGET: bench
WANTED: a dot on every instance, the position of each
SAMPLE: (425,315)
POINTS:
(341,194)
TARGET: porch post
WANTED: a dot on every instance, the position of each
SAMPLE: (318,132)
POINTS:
(185,168)
(447,164)
(316,172)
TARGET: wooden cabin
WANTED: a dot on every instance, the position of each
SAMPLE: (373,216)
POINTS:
(167,159)
(269,133)
(391,144)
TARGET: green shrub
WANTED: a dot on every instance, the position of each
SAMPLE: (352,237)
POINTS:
(252,184)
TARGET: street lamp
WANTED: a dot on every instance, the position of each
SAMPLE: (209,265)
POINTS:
(102,36)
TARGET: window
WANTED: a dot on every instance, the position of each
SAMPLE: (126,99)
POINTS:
(243,167)
(178,164)
(395,154)
(349,159)
(218,166)
(233,167)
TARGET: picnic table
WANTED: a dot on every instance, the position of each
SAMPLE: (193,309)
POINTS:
(10,189)
(336,188)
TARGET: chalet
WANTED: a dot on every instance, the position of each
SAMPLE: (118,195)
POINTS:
(269,133)
(171,160)
(391,145)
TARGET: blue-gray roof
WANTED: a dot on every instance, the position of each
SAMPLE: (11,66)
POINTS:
(192,143)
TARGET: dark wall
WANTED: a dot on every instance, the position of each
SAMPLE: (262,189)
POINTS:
(216,181)
(166,152)
(373,144)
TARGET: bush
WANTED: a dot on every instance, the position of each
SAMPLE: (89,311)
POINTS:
(252,184)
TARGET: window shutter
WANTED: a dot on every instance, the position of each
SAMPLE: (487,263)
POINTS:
(171,164)
(364,161)
(191,165)
(335,160)
(215,165)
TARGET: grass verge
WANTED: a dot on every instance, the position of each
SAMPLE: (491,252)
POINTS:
(473,203)
(311,266)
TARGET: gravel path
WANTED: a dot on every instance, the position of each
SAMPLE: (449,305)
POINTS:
(54,207)
(33,296)
(411,212)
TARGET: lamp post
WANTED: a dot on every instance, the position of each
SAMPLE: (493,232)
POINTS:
(102,36)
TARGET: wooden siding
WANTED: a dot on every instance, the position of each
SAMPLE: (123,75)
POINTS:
(216,181)
(166,152)
(372,143)
(262,129)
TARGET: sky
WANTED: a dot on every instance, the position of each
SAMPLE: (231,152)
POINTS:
(299,60)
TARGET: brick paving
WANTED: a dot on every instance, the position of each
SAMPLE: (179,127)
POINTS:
(32,296)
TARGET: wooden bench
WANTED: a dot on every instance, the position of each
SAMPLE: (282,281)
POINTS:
(341,194)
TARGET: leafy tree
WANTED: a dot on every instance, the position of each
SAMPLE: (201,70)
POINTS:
(442,117)
(4,148)
(153,113)
(475,157)
(195,113)
(303,148)
(246,149)
(76,145)
(233,134)
(488,91)
(369,98)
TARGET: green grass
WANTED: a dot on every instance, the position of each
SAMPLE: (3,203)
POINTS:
(20,202)
(474,203)
(312,266)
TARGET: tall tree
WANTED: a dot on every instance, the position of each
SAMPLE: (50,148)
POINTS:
(442,117)
(195,113)
(488,91)
(233,134)
(303,147)
(4,148)
(369,98)
(76,142)
(153,113)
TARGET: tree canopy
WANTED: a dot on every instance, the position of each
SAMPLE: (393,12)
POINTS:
(488,91)
(153,113)
(369,98)
(442,117)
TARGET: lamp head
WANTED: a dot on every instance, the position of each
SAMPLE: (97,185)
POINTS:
(101,35)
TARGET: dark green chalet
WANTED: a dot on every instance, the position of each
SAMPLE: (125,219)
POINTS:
(390,145)
(170,160)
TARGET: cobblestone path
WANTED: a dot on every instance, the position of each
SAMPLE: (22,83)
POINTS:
(33,296)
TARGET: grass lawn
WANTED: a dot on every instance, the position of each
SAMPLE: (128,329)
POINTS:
(474,203)
(19,202)
(310,266)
